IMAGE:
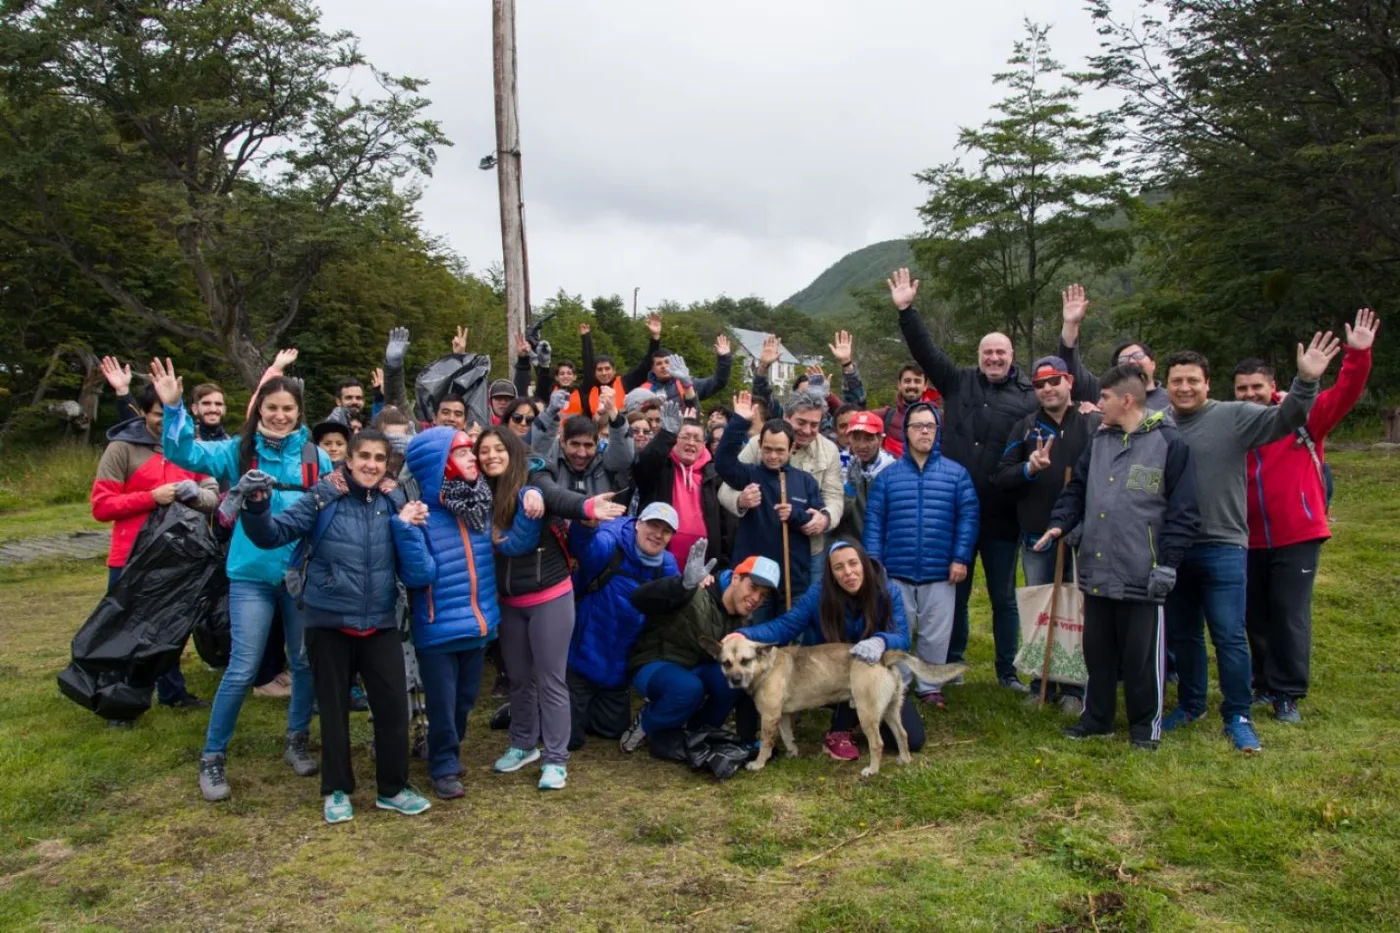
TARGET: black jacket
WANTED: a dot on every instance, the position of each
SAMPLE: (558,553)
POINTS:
(549,563)
(1036,495)
(655,476)
(978,415)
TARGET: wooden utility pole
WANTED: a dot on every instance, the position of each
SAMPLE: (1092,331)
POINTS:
(508,175)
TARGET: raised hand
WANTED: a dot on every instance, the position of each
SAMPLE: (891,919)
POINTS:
(903,289)
(721,345)
(696,567)
(376,379)
(558,399)
(1040,457)
(654,326)
(1314,359)
(743,405)
(522,346)
(284,358)
(414,513)
(607,402)
(396,347)
(117,376)
(772,349)
(584,328)
(605,509)
(459,342)
(815,376)
(169,387)
(1360,336)
(671,417)
(841,347)
(1075,306)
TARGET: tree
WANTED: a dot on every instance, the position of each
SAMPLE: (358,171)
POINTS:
(211,132)
(998,237)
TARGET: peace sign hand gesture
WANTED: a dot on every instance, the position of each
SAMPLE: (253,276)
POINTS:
(459,342)
(1040,457)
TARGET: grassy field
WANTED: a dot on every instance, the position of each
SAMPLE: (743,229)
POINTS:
(998,824)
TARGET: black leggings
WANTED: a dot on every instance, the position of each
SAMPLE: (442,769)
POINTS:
(844,719)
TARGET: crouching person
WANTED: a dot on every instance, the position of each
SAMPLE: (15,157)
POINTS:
(1134,491)
(354,548)
(682,684)
(455,617)
(613,560)
(856,603)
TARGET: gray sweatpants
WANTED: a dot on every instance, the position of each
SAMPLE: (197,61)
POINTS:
(929,607)
(535,645)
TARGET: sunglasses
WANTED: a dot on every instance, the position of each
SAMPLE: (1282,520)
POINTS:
(1135,357)
(522,419)
(1051,381)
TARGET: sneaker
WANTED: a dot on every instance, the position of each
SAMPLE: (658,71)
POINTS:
(186,700)
(933,698)
(839,746)
(278,688)
(1072,706)
(1013,683)
(405,801)
(515,758)
(1081,731)
(1262,698)
(1177,718)
(1241,732)
(338,808)
(554,777)
(212,783)
(633,738)
(359,703)
(298,754)
(1146,745)
(1286,710)
(500,719)
(449,788)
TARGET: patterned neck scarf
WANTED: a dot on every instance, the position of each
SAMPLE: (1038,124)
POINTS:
(470,502)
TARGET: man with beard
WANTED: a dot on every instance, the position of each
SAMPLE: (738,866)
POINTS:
(912,386)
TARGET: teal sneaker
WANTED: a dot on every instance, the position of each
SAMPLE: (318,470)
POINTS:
(553,778)
(338,808)
(405,801)
(516,758)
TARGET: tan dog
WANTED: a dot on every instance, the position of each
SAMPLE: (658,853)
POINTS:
(783,681)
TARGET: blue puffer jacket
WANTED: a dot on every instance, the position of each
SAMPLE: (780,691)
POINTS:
(219,459)
(804,622)
(350,577)
(606,624)
(918,522)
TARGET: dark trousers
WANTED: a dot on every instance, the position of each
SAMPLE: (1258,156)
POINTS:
(844,719)
(336,658)
(1128,637)
(999,572)
(451,681)
(170,686)
(596,710)
(1278,616)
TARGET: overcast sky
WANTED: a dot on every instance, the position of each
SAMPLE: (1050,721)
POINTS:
(701,148)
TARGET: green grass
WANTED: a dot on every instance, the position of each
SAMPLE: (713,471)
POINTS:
(998,824)
(59,475)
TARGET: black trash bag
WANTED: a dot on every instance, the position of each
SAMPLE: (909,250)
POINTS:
(668,745)
(138,632)
(213,635)
(467,375)
(717,751)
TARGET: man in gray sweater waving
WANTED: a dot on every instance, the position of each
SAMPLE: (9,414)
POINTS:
(1211,580)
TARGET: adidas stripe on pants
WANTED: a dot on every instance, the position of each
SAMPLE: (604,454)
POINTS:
(1126,636)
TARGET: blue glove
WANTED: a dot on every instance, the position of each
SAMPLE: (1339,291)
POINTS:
(869,650)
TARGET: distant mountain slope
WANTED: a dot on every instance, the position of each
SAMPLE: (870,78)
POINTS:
(830,292)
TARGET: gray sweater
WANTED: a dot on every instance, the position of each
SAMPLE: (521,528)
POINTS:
(1220,435)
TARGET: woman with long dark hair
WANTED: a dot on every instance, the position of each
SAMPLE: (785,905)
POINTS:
(856,603)
(275,446)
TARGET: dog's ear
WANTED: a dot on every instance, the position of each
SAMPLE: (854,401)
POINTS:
(762,650)
(710,645)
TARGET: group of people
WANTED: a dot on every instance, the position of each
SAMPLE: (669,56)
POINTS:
(593,533)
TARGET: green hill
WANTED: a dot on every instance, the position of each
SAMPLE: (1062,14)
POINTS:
(830,292)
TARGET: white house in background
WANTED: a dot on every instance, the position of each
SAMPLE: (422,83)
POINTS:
(751,347)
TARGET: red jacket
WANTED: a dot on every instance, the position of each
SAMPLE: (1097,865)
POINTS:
(1287,496)
(893,416)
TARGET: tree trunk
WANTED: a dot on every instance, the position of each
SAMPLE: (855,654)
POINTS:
(1392,425)
(508,172)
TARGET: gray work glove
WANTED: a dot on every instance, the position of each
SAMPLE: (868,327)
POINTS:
(671,418)
(1160,582)
(558,399)
(399,443)
(636,399)
(252,481)
(696,567)
(869,650)
(340,415)
(542,354)
(679,370)
(396,348)
(187,491)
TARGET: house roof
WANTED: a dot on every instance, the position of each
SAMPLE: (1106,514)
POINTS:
(751,342)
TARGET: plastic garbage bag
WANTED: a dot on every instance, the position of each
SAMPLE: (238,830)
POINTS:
(173,579)
(467,375)
(213,637)
(717,751)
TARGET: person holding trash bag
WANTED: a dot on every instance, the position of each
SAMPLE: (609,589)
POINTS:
(133,480)
(353,547)
(276,446)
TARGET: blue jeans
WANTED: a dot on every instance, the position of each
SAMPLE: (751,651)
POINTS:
(451,680)
(170,686)
(1210,582)
(678,696)
(250,607)
(1039,568)
(999,569)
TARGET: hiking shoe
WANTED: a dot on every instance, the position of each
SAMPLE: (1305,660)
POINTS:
(840,746)
(1178,717)
(933,698)
(1286,710)
(449,788)
(1013,683)
(632,739)
(405,801)
(500,719)
(514,759)
(1081,731)
(278,688)
(338,808)
(1146,745)
(1262,698)
(1241,732)
(186,700)
(554,777)
(1073,706)
(212,783)
(298,754)
(358,702)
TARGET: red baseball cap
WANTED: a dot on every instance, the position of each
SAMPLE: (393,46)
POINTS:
(867,421)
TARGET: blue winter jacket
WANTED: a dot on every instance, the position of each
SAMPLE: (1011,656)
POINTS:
(219,459)
(458,606)
(920,521)
(353,564)
(606,624)
(803,622)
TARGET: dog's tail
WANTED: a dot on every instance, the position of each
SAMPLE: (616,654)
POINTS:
(936,674)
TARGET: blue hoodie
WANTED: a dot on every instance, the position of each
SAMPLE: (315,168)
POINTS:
(219,459)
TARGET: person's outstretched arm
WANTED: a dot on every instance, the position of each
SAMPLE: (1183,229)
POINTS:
(941,371)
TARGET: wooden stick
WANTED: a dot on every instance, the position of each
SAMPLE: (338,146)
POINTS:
(1054,604)
(787,552)
(822,855)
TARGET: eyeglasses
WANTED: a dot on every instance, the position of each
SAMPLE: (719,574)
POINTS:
(1051,381)
(923,426)
(522,419)
(1137,356)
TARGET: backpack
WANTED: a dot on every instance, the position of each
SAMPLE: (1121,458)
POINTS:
(295,578)
(310,464)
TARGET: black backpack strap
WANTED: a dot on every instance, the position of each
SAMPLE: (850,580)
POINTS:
(610,571)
